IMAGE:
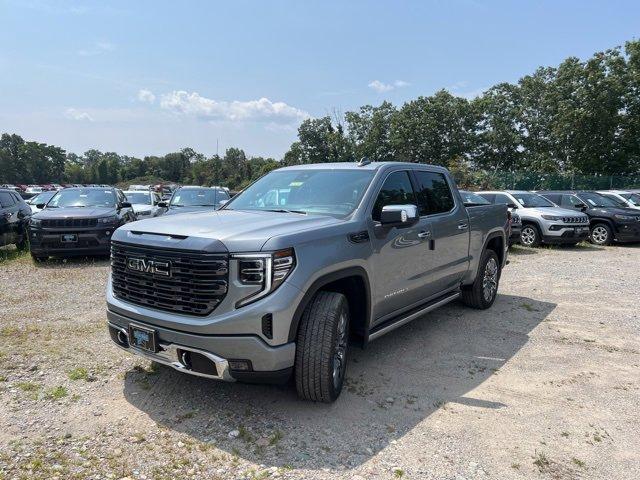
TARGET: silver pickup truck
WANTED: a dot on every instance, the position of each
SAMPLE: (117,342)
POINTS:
(304,262)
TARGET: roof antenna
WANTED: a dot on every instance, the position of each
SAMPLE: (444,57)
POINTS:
(364,161)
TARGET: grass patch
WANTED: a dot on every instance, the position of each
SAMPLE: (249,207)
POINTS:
(398,473)
(578,462)
(541,461)
(275,438)
(56,393)
(10,254)
(79,373)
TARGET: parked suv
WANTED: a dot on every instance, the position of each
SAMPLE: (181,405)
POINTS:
(78,221)
(145,203)
(542,221)
(608,221)
(273,285)
(623,198)
(14,218)
(195,199)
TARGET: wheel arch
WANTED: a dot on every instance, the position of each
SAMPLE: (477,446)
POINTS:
(353,282)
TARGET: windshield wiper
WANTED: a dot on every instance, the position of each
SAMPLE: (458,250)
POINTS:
(284,210)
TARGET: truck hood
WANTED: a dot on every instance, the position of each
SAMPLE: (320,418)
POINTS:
(181,210)
(610,211)
(141,207)
(231,230)
(75,212)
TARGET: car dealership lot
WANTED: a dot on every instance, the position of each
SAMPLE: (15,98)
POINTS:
(545,384)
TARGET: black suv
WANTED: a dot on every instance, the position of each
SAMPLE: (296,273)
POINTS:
(78,221)
(607,220)
(14,218)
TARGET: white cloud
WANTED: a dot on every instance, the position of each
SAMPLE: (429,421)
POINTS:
(382,87)
(73,114)
(262,110)
(146,96)
(97,49)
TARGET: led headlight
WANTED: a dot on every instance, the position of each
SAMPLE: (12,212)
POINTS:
(552,217)
(112,220)
(35,222)
(265,270)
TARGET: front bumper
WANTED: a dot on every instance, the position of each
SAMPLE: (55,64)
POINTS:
(562,234)
(93,241)
(628,232)
(268,364)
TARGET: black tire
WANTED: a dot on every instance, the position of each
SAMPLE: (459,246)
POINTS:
(530,235)
(475,295)
(38,258)
(601,234)
(322,346)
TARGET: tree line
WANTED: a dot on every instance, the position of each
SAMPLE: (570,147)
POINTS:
(582,117)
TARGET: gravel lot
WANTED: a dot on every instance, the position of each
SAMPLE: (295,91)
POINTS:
(543,385)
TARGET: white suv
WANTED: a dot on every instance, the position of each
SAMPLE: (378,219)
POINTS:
(542,220)
(622,197)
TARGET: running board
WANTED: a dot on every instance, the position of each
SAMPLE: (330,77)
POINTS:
(390,325)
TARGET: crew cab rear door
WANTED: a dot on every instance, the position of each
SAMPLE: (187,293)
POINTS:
(448,223)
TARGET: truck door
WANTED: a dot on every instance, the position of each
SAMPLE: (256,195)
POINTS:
(397,273)
(447,257)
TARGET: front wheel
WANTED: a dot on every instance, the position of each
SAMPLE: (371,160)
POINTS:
(482,293)
(321,351)
(530,236)
(601,234)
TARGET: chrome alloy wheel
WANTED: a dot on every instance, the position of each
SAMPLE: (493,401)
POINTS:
(599,234)
(528,236)
(490,280)
(340,354)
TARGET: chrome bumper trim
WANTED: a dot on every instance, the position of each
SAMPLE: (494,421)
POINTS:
(168,355)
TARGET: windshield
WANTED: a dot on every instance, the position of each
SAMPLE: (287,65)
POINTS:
(83,197)
(532,200)
(43,197)
(473,198)
(619,201)
(334,192)
(138,197)
(596,200)
(632,198)
(194,197)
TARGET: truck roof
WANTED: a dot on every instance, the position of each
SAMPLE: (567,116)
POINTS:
(353,166)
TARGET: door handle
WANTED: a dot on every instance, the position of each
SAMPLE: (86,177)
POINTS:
(462,226)
(424,234)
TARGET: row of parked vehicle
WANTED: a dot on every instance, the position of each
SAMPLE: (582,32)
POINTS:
(81,220)
(566,216)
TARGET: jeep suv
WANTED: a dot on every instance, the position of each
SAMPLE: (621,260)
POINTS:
(608,221)
(542,221)
(279,279)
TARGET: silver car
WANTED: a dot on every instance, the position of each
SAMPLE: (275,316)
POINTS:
(542,220)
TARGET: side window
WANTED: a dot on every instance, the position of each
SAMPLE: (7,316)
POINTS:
(570,201)
(396,190)
(490,197)
(222,195)
(6,199)
(434,193)
(501,199)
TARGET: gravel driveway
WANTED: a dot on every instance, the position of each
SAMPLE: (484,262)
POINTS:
(543,385)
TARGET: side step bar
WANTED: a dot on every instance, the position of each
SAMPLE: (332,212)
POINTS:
(390,325)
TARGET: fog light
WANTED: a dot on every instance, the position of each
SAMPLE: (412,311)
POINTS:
(241,365)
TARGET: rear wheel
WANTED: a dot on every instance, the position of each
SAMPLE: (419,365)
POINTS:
(484,290)
(530,236)
(601,234)
(322,344)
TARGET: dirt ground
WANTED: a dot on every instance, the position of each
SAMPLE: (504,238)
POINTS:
(543,385)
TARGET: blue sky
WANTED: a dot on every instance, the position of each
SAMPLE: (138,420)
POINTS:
(150,77)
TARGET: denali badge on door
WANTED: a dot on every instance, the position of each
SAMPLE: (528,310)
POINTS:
(149,266)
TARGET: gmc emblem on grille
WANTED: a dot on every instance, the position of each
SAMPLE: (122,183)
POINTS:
(149,266)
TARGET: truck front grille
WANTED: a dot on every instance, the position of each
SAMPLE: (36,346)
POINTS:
(192,283)
(574,220)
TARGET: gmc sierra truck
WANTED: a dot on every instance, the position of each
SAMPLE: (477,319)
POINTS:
(303,262)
